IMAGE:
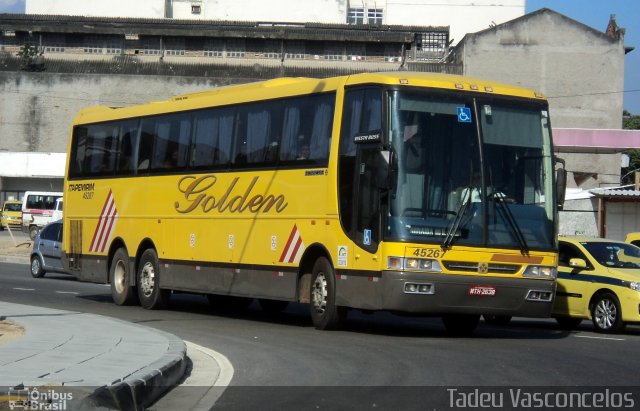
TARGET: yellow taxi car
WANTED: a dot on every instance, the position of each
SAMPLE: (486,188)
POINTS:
(11,215)
(633,238)
(597,279)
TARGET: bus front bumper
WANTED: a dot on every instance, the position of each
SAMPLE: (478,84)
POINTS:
(427,293)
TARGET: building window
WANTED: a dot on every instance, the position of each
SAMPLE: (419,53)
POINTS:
(174,46)
(97,44)
(295,50)
(214,48)
(151,46)
(364,15)
(271,49)
(374,16)
(236,48)
(355,16)
(356,52)
(333,51)
(431,45)
(54,43)
(196,9)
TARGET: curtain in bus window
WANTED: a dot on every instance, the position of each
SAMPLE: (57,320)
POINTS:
(171,144)
(126,149)
(212,138)
(101,149)
(258,127)
(321,132)
(291,130)
(78,151)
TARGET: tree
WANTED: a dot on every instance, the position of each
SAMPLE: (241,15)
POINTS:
(30,58)
(630,122)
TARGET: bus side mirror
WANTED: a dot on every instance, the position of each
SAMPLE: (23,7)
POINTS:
(561,183)
(561,186)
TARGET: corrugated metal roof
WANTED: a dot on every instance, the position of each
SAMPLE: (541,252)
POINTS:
(623,192)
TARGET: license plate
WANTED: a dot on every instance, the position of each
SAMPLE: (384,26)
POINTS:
(482,290)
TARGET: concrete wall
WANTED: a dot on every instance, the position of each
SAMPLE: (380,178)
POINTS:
(106,8)
(579,217)
(36,109)
(591,170)
(566,60)
(462,16)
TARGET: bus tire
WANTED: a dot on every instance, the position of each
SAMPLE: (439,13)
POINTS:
(148,282)
(325,314)
(460,325)
(120,278)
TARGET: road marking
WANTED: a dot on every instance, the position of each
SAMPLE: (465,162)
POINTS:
(600,338)
(67,292)
(24,289)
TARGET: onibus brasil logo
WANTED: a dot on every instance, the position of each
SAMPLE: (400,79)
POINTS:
(37,398)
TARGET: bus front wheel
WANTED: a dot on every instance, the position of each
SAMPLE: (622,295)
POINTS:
(325,314)
(120,277)
(148,282)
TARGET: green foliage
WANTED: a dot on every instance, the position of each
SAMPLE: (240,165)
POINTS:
(630,122)
(28,52)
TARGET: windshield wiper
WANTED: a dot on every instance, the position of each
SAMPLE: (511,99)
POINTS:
(508,215)
(455,224)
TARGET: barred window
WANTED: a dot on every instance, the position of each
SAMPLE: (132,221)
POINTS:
(174,46)
(295,50)
(151,46)
(214,48)
(98,44)
(236,48)
(54,43)
(272,49)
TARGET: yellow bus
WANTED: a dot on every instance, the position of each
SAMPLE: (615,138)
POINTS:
(415,193)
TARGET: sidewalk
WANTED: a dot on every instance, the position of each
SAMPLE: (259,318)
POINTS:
(77,361)
(15,249)
(80,361)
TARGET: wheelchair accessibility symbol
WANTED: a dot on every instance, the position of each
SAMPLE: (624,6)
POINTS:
(464,114)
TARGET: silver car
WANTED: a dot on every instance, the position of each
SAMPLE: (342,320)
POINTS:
(47,250)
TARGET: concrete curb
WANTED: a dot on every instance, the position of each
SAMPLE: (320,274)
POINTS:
(147,385)
(97,358)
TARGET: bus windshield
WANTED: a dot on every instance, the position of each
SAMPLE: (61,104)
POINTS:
(470,171)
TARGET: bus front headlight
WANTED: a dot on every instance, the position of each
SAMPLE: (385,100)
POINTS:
(413,264)
(634,285)
(540,271)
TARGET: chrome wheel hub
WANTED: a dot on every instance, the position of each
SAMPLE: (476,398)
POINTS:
(319,294)
(147,279)
(605,314)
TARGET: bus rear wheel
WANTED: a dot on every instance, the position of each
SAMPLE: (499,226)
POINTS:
(148,282)
(325,314)
(120,277)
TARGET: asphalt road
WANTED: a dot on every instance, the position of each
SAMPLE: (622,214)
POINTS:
(379,361)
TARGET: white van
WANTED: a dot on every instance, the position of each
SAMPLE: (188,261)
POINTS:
(57,210)
(37,210)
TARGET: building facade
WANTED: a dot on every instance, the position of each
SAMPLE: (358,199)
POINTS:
(463,16)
